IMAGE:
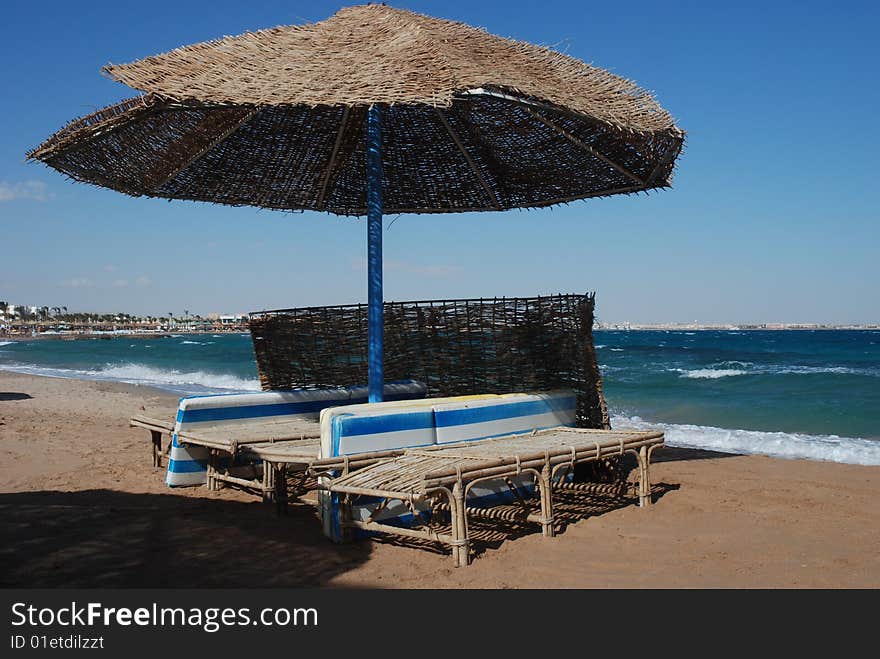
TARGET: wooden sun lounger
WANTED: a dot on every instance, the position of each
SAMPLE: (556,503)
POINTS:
(281,458)
(296,433)
(282,442)
(157,428)
(427,474)
(302,456)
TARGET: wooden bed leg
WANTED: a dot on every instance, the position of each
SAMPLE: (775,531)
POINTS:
(280,489)
(461,550)
(212,459)
(268,484)
(157,447)
(345,515)
(648,495)
(546,502)
(644,486)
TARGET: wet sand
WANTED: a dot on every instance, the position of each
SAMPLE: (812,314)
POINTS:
(80,505)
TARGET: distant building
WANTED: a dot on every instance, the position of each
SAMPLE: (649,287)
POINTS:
(233,319)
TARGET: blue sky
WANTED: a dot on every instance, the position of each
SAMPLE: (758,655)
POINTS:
(772,216)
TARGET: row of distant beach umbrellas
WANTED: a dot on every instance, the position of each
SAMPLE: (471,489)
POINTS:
(373,110)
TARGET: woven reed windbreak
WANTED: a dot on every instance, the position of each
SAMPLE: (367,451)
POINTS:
(275,119)
(456,347)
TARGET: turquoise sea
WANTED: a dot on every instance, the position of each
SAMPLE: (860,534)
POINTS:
(799,393)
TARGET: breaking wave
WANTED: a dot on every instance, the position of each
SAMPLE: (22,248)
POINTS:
(187,382)
(831,448)
(710,373)
(734,368)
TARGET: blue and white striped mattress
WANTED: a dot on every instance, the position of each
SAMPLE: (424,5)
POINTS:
(353,429)
(187,465)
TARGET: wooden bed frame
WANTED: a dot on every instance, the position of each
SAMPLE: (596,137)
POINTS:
(441,475)
(300,437)
(157,428)
(436,473)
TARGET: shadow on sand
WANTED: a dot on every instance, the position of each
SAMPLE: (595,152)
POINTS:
(569,507)
(675,454)
(13,395)
(106,538)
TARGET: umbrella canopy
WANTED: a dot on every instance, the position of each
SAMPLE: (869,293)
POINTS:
(276,119)
(372,109)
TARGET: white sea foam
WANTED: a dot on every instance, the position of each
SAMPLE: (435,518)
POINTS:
(840,370)
(829,448)
(710,373)
(6,343)
(733,368)
(142,374)
(196,343)
(616,349)
(171,379)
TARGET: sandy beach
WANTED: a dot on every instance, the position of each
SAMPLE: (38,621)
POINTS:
(80,505)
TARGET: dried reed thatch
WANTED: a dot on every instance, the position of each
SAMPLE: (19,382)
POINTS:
(276,118)
(456,347)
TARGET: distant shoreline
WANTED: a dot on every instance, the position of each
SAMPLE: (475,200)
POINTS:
(731,328)
(110,335)
(61,336)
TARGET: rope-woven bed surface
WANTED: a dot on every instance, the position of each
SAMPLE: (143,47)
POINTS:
(406,474)
(306,449)
(556,441)
(248,432)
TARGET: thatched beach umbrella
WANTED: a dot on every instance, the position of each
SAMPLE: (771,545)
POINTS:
(374,109)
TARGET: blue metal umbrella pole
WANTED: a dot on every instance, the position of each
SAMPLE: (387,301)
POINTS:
(375,337)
